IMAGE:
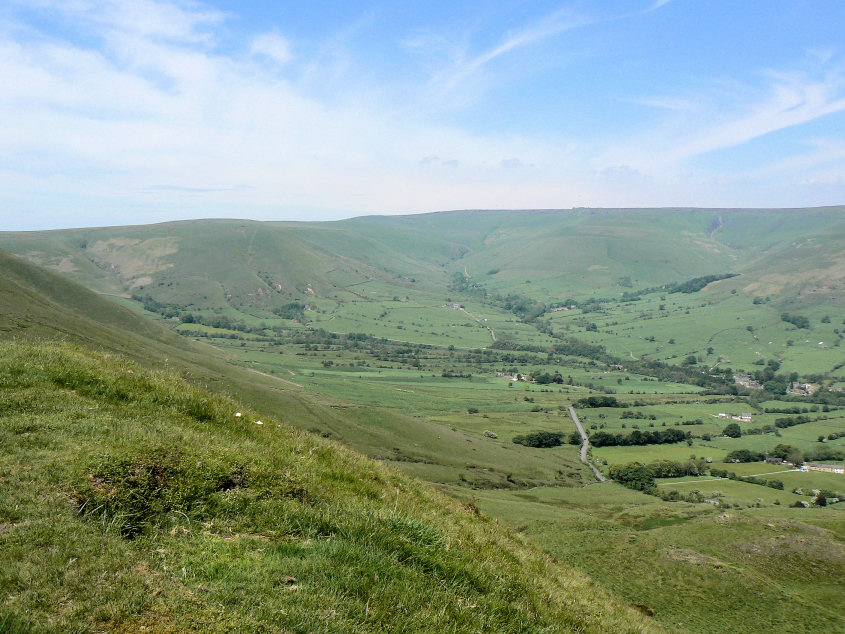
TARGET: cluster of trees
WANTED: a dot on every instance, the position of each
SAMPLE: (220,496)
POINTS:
(799,321)
(732,430)
(634,475)
(676,469)
(744,455)
(716,380)
(637,437)
(790,410)
(598,401)
(640,477)
(165,310)
(545,378)
(787,452)
(630,414)
(790,453)
(456,374)
(772,381)
(292,310)
(522,306)
(785,422)
(540,439)
(219,321)
(697,283)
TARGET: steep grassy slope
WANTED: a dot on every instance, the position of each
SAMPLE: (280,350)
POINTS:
(132,499)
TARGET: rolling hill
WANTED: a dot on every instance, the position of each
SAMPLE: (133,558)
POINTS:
(544,253)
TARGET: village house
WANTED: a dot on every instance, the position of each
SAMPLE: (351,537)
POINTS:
(745,417)
(745,380)
(802,389)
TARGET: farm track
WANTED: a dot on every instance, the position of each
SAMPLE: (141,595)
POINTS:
(226,352)
(585,445)
(480,321)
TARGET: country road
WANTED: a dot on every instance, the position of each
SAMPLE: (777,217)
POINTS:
(585,445)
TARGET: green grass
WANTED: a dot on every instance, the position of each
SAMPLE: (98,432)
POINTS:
(131,499)
(693,566)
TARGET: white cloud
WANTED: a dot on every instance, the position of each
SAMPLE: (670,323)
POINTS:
(272,45)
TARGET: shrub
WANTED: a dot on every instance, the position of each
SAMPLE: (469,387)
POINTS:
(732,430)
(743,455)
(598,401)
(634,475)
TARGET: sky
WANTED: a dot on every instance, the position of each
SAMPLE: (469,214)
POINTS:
(118,112)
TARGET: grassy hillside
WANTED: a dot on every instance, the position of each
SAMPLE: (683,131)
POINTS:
(132,500)
(547,254)
(39,304)
(698,568)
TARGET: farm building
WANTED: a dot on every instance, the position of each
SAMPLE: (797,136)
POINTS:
(827,467)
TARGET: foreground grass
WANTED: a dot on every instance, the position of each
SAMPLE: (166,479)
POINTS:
(693,566)
(130,499)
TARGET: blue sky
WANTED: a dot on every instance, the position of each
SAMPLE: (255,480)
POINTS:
(136,111)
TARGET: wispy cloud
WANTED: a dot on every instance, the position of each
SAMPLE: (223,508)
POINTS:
(467,65)
(658,4)
(464,64)
(697,128)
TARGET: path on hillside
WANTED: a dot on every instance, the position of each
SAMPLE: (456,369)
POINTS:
(585,445)
(718,227)
(480,321)
(245,367)
(631,352)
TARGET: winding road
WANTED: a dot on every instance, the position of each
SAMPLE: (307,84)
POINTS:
(585,445)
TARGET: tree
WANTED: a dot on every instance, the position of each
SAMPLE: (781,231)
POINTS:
(743,455)
(633,475)
(732,430)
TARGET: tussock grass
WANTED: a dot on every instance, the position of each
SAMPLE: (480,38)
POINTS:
(129,498)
